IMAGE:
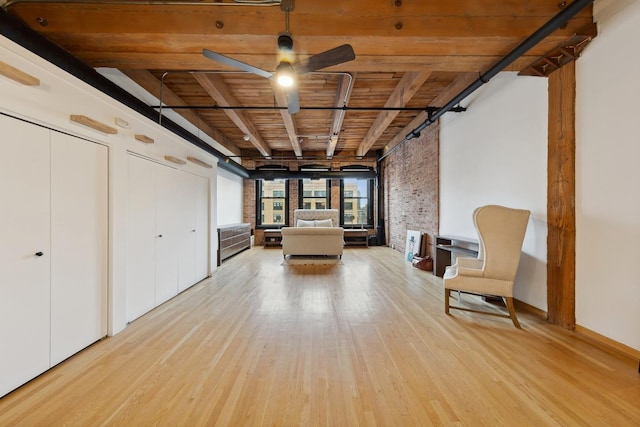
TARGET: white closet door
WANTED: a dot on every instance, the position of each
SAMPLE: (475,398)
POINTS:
(79,244)
(24,232)
(187,232)
(202,228)
(167,220)
(141,237)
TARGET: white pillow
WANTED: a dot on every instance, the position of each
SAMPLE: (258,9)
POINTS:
(303,223)
(324,223)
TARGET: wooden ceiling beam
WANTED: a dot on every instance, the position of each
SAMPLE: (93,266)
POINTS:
(342,99)
(221,94)
(362,63)
(357,18)
(458,85)
(287,119)
(152,85)
(403,92)
(304,45)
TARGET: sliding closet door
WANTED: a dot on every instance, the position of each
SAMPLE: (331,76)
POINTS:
(187,232)
(202,228)
(25,253)
(141,237)
(79,243)
(167,232)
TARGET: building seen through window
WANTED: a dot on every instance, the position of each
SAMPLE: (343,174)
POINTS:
(356,202)
(273,202)
(313,193)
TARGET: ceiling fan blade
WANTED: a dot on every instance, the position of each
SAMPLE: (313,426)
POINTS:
(293,102)
(325,59)
(235,63)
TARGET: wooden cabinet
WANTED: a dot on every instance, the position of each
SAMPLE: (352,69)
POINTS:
(356,237)
(272,237)
(232,239)
(53,250)
(168,232)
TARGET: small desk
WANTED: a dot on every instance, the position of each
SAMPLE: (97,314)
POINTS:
(356,237)
(272,237)
(445,245)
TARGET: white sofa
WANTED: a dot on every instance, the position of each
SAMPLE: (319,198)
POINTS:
(312,234)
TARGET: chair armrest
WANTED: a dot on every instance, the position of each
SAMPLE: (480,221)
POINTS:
(466,262)
(473,272)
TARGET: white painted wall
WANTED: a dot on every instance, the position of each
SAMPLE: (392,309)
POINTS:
(496,153)
(607,201)
(52,102)
(229,198)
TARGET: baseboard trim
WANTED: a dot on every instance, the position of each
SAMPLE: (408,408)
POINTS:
(528,308)
(606,343)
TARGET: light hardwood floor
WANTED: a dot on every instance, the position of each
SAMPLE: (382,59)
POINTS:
(364,342)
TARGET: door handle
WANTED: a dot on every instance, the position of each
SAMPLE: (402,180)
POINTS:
(159,235)
(39,253)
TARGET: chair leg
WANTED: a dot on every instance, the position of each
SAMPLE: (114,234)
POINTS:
(512,311)
(447,295)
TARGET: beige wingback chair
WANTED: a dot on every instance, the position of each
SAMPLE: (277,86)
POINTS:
(501,233)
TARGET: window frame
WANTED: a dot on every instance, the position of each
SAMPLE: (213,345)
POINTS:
(302,197)
(260,224)
(368,198)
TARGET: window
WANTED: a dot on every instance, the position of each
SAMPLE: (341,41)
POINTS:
(313,193)
(272,197)
(356,199)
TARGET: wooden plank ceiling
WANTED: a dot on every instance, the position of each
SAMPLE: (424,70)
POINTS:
(409,53)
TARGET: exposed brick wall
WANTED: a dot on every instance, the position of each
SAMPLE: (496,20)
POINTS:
(411,189)
(249,208)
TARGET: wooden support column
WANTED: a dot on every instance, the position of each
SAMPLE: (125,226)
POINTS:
(561,237)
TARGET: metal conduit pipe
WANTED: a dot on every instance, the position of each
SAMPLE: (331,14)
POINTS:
(549,27)
(286,174)
(14,30)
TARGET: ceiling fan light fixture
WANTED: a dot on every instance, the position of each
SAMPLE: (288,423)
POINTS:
(284,74)
(285,42)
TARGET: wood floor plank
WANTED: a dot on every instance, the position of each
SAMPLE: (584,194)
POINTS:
(365,342)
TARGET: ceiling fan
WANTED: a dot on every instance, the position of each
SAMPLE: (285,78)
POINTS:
(287,70)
